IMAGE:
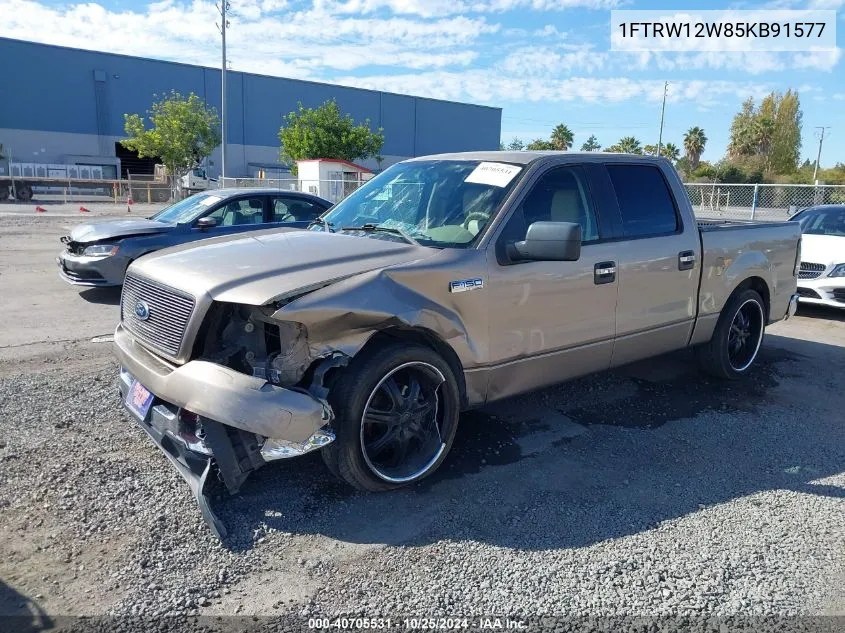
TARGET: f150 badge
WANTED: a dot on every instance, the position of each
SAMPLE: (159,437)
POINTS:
(462,285)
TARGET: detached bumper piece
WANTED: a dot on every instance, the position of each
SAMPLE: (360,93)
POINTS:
(198,447)
(254,421)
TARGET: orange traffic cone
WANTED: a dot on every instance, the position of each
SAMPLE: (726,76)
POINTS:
(40,210)
(84,210)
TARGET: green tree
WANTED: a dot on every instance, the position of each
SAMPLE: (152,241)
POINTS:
(516,145)
(770,133)
(626,145)
(786,133)
(539,144)
(650,150)
(323,132)
(183,131)
(591,145)
(671,151)
(744,133)
(694,142)
(562,137)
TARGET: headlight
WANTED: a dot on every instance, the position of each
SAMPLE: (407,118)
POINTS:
(838,271)
(101,250)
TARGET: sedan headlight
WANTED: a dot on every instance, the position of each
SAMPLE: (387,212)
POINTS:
(838,271)
(101,250)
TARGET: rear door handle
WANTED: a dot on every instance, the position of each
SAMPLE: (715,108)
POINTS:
(686,260)
(604,273)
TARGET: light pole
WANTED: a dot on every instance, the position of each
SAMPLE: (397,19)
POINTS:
(662,112)
(820,136)
(224,23)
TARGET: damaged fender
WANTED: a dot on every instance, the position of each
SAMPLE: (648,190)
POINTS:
(342,317)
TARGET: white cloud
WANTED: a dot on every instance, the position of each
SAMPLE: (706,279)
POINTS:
(456,57)
(493,86)
(298,44)
(440,8)
(753,63)
(547,61)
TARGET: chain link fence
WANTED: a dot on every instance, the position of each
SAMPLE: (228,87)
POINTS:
(332,190)
(709,200)
(759,202)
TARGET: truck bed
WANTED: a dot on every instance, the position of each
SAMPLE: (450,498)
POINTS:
(736,249)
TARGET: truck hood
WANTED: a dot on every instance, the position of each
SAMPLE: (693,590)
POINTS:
(106,229)
(268,265)
(823,249)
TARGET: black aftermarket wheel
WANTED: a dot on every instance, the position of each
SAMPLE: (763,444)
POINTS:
(737,338)
(396,411)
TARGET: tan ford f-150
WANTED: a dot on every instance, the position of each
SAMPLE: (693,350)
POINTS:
(444,283)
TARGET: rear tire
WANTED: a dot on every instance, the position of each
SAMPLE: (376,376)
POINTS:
(738,336)
(396,410)
(23,192)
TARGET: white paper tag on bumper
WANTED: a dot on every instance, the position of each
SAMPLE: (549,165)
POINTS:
(496,174)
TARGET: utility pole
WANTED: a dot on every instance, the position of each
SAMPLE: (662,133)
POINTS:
(820,136)
(224,23)
(662,112)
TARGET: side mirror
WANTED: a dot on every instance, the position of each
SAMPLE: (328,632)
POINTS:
(548,241)
(206,223)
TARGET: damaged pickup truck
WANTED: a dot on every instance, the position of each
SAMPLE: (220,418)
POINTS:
(444,283)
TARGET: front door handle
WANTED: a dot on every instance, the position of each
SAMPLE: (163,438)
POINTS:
(604,273)
(686,260)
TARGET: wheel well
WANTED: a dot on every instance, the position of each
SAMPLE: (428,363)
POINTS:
(429,339)
(761,287)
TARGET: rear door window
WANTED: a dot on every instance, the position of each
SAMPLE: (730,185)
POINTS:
(645,201)
(292,209)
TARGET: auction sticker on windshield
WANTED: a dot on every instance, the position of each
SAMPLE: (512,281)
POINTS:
(496,174)
(209,200)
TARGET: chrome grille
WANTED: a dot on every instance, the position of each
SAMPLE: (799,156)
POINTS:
(169,313)
(810,271)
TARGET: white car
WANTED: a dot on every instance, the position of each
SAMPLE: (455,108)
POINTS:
(821,279)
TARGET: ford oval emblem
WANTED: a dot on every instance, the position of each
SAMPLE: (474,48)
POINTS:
(142,310)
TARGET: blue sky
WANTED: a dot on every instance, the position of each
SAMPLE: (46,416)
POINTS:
(543,61)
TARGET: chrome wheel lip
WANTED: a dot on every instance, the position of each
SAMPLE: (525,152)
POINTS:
(427,466)
(759,334)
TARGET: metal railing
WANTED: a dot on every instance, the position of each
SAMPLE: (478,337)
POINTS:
(759,201)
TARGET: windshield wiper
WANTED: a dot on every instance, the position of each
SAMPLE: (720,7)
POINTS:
(329,226)
(385,229)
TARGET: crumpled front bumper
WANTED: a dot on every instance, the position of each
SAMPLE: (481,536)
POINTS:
(80,270)
(244,421)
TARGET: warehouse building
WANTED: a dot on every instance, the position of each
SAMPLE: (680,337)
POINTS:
(69,111)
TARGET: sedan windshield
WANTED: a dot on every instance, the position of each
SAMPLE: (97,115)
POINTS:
(440,203)
(823,221)
(187,210)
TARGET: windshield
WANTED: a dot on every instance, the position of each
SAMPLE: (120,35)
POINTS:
(187,210)
(829,221)
(440,203)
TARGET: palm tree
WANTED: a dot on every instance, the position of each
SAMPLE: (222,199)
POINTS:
(694,142)
(591,145)
(562,137)
(629,145)
(671,151)
(539,144)
(650,150)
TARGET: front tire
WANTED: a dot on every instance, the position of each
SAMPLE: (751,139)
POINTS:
(737,338)
(396,411)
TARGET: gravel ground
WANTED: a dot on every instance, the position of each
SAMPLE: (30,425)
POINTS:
(645,492)
(733,507)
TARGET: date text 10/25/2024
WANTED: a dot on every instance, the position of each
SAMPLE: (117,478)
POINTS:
(417,624)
